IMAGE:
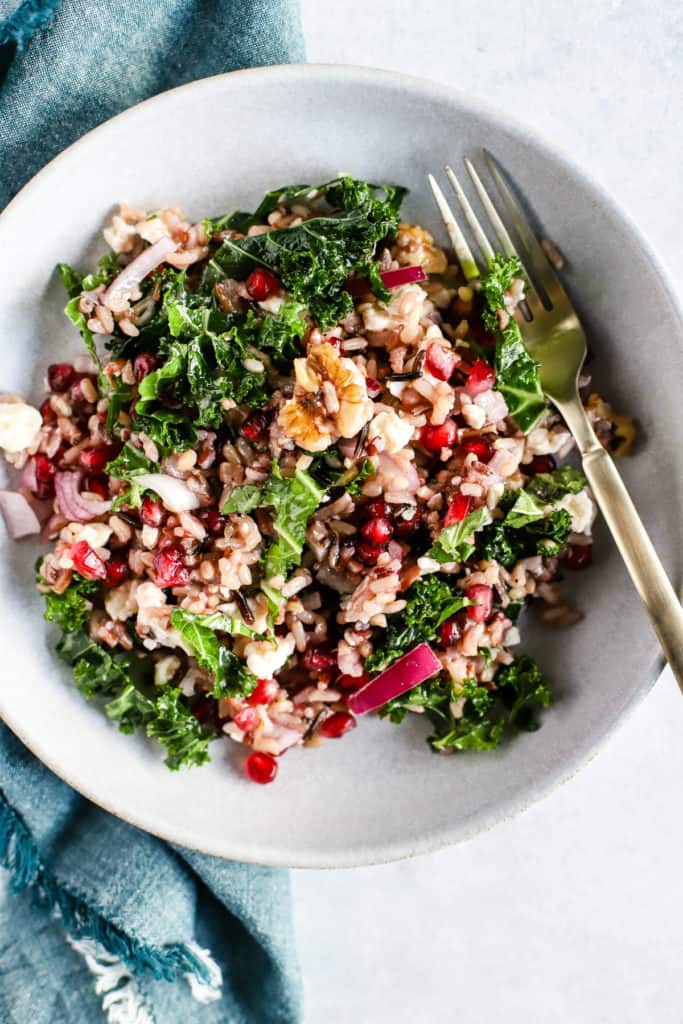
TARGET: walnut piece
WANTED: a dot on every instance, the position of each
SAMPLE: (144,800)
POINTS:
(415,247)
(330,400)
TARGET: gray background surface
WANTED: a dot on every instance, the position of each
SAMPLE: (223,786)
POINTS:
(571,911)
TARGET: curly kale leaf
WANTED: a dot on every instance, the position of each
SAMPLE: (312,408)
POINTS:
(517,374)
(429,602)
(71,609)
(230,677)
(550,487)
(314,259)
(529,528)
(455,543)
(130,463)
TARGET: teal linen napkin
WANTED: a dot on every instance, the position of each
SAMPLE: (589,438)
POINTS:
(99,921)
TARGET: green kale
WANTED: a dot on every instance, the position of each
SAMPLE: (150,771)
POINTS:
(529,528)
(130,463)
(230,676)
(71,609)
(550,487)
(293,500)
(176,728)
(517,374)
(314,259)
(429,602)
(120,396)
(454,544)
(71,278)
(280,335)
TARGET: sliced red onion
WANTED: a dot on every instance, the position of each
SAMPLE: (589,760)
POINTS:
(20,519)
(138,269)
(175,494)
(72,504)
(404,275)
(407,672)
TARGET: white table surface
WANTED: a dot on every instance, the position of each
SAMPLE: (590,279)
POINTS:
(572,911)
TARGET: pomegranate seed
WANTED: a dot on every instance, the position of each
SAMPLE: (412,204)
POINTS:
(331,340)
(435,438)
(337,724)
(151,512)
(449,632)
(215,522)
(319,661)
(408,524)
(60,377)
(47,412)
(377,531)
(458,509)
(87,562)
(247,718)
(346,682)
(440,361)
(540,464)
(482,449)
(373,387)
(481,378)
(117,572)
(261,283)
(169,568)
(376,509)
(264,692)
(255,427)
(206,711)
(96,485)
(482,596)
(261,768)
(94,459)
(143,364)
(368,553)
(577,556)
(44,472)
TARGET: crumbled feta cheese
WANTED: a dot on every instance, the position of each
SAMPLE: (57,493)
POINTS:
(19,425)
(272,304)
(264,658)
(96,534)
(473,415)
(375,317)
(394,431)
(121,602)
(165,669)
(152,230)
(581,508)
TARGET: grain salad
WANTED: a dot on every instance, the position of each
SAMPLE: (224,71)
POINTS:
(303,472)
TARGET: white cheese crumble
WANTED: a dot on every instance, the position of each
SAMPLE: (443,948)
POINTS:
(19,425)
(394,431)
(264,658)
(581,508)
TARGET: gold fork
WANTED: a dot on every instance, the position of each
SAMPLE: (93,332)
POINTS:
(555,338)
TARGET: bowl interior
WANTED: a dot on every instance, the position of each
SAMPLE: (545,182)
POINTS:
(219,144)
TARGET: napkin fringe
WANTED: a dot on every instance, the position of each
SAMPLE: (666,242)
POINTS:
(122,1003)
(20,855)
(30,17)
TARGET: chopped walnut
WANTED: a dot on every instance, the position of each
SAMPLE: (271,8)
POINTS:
(330,400)
(415,247)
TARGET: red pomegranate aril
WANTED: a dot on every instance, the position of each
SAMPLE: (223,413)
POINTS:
(333,341)
(435,438)
(373,387)
(482,597)
(482,449)
(96,485)
(458,509)
(577,556)
(319,661)
(376,509)
(247,718)
(255,427)
(261,768)
(143,364)
(540,464)
(94,459)
(117,572)
(368,553)
(47,412)
(481,378)
(350,683)
(44,472)
(261,283)
(337,725)
(87,562)
(440,361)
(449,632)
(215,522)
(151,512)
(60,377)
(408,524)
(170,569)
(377,531)
(264,692)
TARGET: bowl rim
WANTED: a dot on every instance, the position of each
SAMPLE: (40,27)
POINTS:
(486,819)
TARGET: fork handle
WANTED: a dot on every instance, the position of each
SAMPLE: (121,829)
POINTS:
(635,546)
